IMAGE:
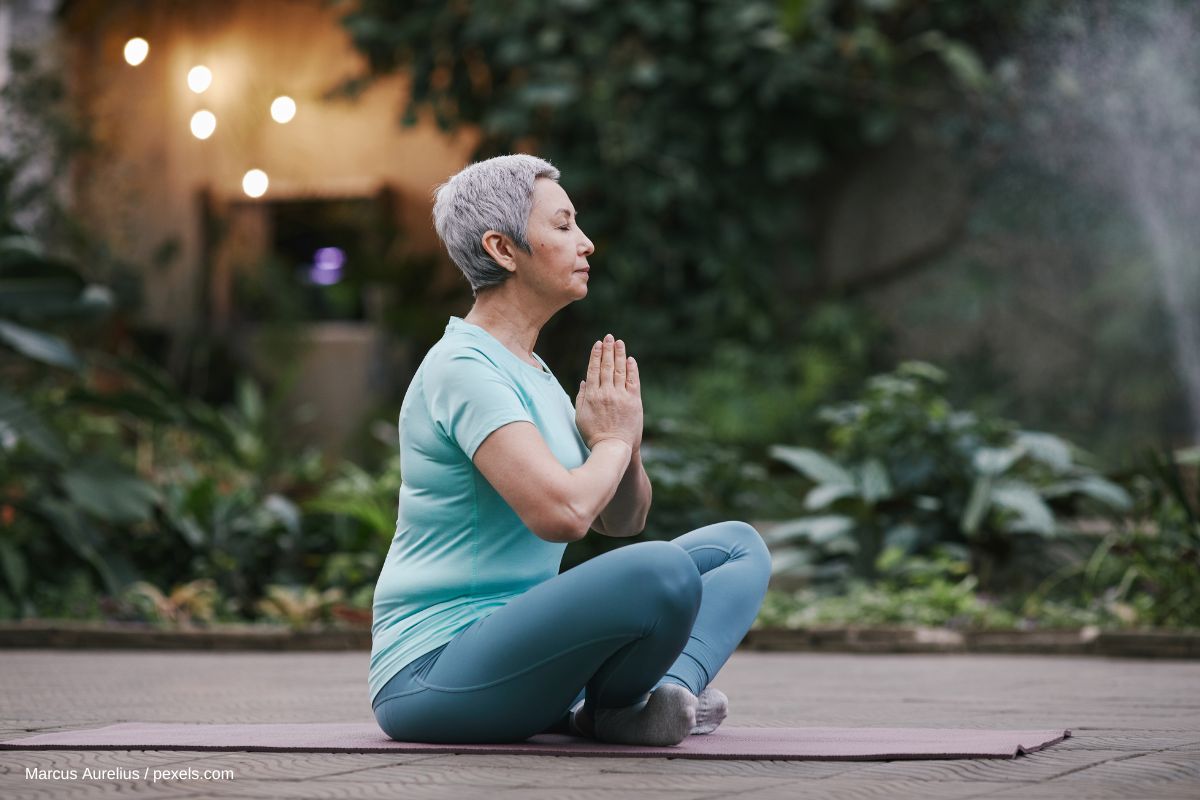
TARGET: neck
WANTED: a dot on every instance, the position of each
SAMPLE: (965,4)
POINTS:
(515,324)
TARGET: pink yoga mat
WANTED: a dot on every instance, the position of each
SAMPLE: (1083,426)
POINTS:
(826,744)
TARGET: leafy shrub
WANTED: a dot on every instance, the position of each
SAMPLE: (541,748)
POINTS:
(909,590)
(1145,571)
(906,469)
(752,396)
(936,591)
(692,134)
(106,466)
(355,515)
(194,601)
(299,606)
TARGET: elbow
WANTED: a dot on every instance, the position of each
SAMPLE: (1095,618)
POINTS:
(573,523)
(572,518)
(574,527)
(554,517)
(561,534)
(633,530)
(561,524)
(640,525)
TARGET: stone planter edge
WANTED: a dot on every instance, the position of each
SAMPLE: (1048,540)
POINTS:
(902,639)
(69,634)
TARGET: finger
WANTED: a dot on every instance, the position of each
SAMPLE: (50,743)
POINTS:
(593,370)
(619,363)
(632,379)
(606,362)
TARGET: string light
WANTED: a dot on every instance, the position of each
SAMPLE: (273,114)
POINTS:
(136,50)
(283,109)
(254,183)
(199,78)
(204,122)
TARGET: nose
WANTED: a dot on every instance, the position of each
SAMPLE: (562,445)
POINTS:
(588,247)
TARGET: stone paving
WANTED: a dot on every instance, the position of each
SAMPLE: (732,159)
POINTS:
(1136,726)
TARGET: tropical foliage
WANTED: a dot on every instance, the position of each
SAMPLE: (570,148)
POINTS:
(908,470)
(691,134)
(694,138)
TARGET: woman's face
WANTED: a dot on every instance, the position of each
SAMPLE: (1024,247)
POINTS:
(558,263)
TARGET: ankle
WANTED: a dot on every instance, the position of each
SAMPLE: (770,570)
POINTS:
(582,723)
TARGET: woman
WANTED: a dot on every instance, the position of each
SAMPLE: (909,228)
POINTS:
(476,637)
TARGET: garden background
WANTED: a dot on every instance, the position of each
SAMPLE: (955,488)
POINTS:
(913,286)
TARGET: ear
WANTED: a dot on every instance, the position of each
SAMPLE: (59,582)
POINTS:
(500,248)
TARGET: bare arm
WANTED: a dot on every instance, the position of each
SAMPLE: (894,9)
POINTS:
(625,514)
(558,504)
(555,503)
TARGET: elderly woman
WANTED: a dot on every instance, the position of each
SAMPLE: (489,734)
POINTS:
(476,636)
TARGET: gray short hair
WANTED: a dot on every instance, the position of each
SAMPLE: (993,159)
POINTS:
(496,194)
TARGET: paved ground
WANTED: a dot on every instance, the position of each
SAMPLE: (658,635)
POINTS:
(1136,729)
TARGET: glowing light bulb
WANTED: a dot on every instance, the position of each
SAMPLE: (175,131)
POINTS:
(136,50)
(204,122)
(283,109)
(254,183)
(199,78)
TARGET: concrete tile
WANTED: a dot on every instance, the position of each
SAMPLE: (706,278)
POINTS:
(1116,708)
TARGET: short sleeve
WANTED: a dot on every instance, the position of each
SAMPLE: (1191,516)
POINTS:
(469,397)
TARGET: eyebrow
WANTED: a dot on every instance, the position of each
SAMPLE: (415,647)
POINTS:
(566,211)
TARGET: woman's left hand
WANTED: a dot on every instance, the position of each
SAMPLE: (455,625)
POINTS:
(632,380)
(624,372)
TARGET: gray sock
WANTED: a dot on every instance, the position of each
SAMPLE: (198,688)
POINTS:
(666,718)
(712,708)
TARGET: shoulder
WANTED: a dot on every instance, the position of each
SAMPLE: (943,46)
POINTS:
(466,366)
(453,355)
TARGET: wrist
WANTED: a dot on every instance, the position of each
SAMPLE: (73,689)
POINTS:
(597,441)
(594,444)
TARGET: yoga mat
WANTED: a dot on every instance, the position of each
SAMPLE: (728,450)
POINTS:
(825,744)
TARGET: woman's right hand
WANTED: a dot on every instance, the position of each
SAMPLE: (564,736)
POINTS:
(609,403)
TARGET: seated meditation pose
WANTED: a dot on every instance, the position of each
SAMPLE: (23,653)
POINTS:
(476,636)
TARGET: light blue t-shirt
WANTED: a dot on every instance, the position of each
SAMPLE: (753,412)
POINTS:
(460,551)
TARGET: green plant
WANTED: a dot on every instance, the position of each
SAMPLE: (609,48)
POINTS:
(909,590)
(934,591)
(750,396)
(194,601)
(65,484)
(908,470)
(357,511)
(1145,570)
(691,134)
(42,483)
(113,479)
(299,607)
(368,498)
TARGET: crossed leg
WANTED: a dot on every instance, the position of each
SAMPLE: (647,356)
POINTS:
(609,630)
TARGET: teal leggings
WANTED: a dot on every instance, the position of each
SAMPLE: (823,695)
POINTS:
(607,631)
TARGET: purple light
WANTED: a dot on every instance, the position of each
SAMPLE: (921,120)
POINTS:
(331,258)
(324,277)
(327,266)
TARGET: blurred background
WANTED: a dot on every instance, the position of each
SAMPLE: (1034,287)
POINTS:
(913,285)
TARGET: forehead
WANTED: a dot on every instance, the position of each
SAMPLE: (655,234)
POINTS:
(548,196)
